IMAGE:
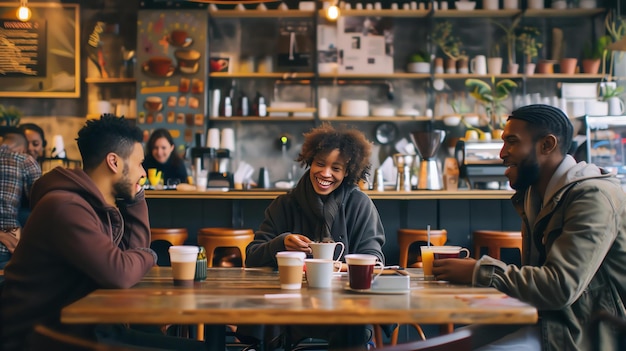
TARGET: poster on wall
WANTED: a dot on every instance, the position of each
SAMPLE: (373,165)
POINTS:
(39,56)
(365,44)
(171,73)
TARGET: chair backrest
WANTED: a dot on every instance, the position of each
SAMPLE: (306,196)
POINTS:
(459,340)
(44,338)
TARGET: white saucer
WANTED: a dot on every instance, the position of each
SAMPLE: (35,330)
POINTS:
(376,292)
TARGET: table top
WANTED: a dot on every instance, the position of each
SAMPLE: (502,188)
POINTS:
(253,296)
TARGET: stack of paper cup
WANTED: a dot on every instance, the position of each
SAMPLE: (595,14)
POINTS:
(227,140)
(213,138)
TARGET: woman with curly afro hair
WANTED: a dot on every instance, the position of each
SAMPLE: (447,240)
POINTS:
(325,205)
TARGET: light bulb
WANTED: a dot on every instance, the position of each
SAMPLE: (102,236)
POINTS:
(332,12)
(23,13)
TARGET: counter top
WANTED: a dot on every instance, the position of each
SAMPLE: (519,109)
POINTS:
(374,195)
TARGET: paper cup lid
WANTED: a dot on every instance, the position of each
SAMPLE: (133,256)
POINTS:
(184,249)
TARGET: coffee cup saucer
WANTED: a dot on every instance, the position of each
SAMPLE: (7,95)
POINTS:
(188,41)
(146,69)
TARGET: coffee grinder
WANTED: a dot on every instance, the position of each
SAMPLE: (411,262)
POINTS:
(427,143)
(220,175)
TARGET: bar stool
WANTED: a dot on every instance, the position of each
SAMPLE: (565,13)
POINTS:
(494,240)
(174,236)
(162,238)
(212,238)
(406,237)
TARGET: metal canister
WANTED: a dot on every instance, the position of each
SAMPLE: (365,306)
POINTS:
(201,265)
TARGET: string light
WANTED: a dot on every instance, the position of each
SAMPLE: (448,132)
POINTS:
(23,12)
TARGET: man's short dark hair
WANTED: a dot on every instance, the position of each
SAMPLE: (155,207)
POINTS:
(107,134)
(545,119)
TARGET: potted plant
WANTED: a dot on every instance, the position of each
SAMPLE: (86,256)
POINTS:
(595,53)
(616,27)
(10,116)
(419,63)
(528,38)
(491,97)
(449,44)
(509,39)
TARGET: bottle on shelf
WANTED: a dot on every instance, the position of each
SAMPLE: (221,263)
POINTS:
(243,109)
(259,107)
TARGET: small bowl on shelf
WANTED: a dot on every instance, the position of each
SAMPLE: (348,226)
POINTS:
(465,5)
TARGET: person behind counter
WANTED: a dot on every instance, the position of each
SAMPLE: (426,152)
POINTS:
(88,230)
(160,154)
(574,232)
(325,205)
(36,141)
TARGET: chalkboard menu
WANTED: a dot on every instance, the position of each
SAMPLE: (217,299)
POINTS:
(39,57)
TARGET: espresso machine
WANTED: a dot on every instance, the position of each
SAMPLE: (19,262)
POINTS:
(220,175)
(202,159)
(480,163)
(427,143)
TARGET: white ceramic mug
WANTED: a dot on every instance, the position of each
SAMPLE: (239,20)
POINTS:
(478,64)
(319,273)
(326,251)
(510,4)
(490,4)
(616,106)
(535,4)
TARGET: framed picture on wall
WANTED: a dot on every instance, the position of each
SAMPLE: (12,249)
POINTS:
(39,57)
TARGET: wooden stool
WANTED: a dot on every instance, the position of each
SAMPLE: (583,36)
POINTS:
(494,240)
(406,237)
(174,236)
(212,238)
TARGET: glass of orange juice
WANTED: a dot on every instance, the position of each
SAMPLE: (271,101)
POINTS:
(427,261)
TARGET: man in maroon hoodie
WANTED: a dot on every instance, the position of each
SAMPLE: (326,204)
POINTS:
(88,230)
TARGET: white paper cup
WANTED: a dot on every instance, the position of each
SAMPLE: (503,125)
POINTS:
(183,259)
(290,268)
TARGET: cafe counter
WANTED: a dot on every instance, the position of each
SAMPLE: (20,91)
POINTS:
(459,212)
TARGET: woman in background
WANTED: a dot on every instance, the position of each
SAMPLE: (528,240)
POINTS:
(160,155)
(36,141)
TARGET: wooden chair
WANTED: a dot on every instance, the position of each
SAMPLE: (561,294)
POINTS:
(212,238)
(495,240)
(44,338)
(459,340)
(406,237)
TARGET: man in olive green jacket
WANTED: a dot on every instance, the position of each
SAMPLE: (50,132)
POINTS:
(574,232)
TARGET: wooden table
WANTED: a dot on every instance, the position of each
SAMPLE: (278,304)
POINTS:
(253,296)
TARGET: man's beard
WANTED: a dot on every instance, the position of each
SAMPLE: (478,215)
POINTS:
(527,172)
(124,188)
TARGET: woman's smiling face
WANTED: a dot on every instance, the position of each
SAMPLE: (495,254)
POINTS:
(327,172)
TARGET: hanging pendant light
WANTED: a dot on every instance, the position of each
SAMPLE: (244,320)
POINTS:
(23,12)
(232,2)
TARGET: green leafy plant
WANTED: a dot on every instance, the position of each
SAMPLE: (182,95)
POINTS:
(449,44)
(597,49)
(491,96)
(528,38)
(10,116)
(611,92)
(510,37)
(420,56)
(616,27)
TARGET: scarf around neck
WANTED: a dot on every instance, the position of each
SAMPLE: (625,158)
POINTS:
(317,209)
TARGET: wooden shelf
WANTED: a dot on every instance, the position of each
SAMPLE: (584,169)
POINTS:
(375,119)
(273,75)
(399,75)
(253,13)
(478,76)
(454,13)
(261,119)
(93,80)
(566,76)
(383,13)
(563,13)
